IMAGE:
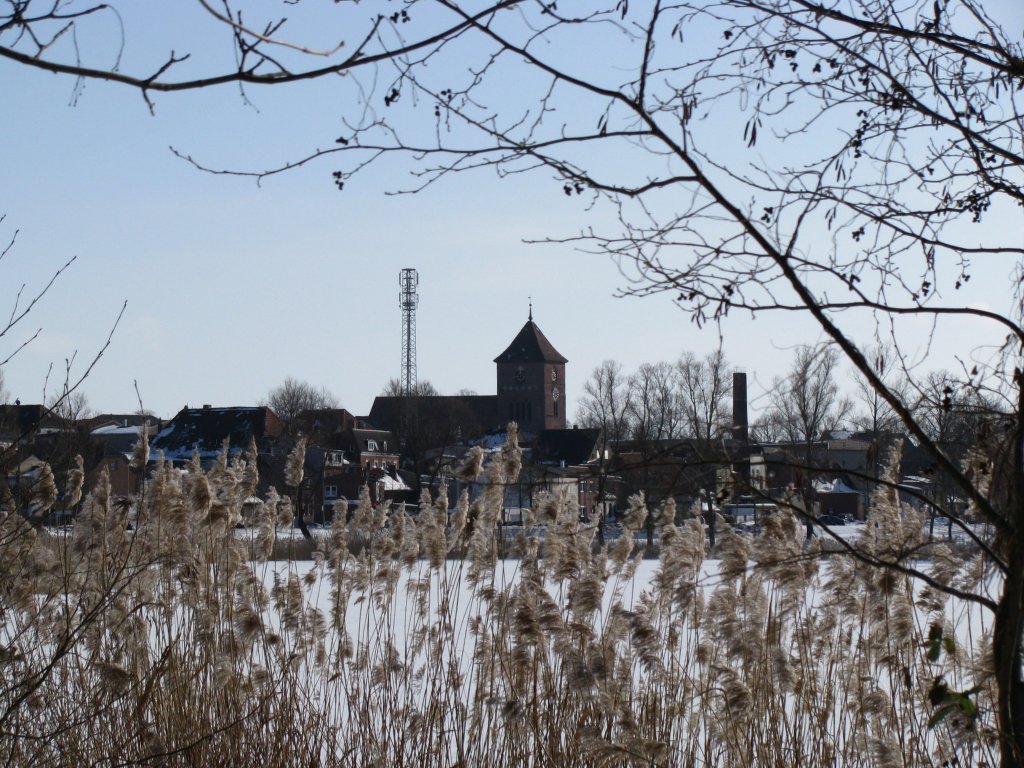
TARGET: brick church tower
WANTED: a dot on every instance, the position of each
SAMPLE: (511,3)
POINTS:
(531,382)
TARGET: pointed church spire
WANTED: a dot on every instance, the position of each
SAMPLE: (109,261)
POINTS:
(531,307)
(530,346)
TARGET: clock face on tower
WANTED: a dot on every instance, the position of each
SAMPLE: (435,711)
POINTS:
(520,374)
(554,393)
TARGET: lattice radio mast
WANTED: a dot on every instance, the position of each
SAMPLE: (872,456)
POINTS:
(408,299)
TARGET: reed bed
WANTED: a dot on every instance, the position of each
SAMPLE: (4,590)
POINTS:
(153,635)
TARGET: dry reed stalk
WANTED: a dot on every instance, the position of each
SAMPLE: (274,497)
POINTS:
(161,644)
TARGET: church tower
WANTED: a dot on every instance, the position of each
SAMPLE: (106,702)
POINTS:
(531,382)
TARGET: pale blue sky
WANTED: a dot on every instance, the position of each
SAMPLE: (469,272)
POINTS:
(231,286)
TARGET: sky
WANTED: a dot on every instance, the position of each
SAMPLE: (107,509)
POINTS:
(231,286)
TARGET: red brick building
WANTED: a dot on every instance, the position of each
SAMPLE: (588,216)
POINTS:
(531,382)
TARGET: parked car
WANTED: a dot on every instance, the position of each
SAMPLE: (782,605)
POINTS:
(832,520)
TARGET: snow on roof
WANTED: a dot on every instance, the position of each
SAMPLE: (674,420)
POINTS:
(204,430)
(29,466)
(834,486)
(494,442)
(389,483)
(114,429)
(916,480)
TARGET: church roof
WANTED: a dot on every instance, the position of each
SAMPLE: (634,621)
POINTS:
(530,346)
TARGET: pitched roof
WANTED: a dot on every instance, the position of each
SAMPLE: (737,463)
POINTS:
(120,419)
(17,420)
(573,446)
(530,346)
(120,439)
(362,439)
(205,429)
(472,414)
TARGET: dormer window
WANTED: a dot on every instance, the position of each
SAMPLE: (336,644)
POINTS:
(371,445)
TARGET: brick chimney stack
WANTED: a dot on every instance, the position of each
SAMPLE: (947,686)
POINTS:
(740,425)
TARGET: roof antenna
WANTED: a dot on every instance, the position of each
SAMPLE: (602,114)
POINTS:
(531,307)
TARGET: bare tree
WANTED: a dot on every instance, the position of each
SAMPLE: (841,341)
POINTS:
(871,412)
(606,403)
(423,389)
(70,407)
(821,159)
(952,411)
(704,386)
(767,428)
(292,397)
(955,414)
(653,403)
(807,401)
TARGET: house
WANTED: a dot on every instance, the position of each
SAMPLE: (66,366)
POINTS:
(836,497)
(116,442)
(534,480)
(567,447)
(19,424)
(372,448)
(124,479)
(93,423)
(356,457)
(20,476)
(849,451)
(326,427)
(206,431)
(373,455)
(31,435)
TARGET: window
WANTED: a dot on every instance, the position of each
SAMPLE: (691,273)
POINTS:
(554,405)
(113,465)
(371,445)
(330,491)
